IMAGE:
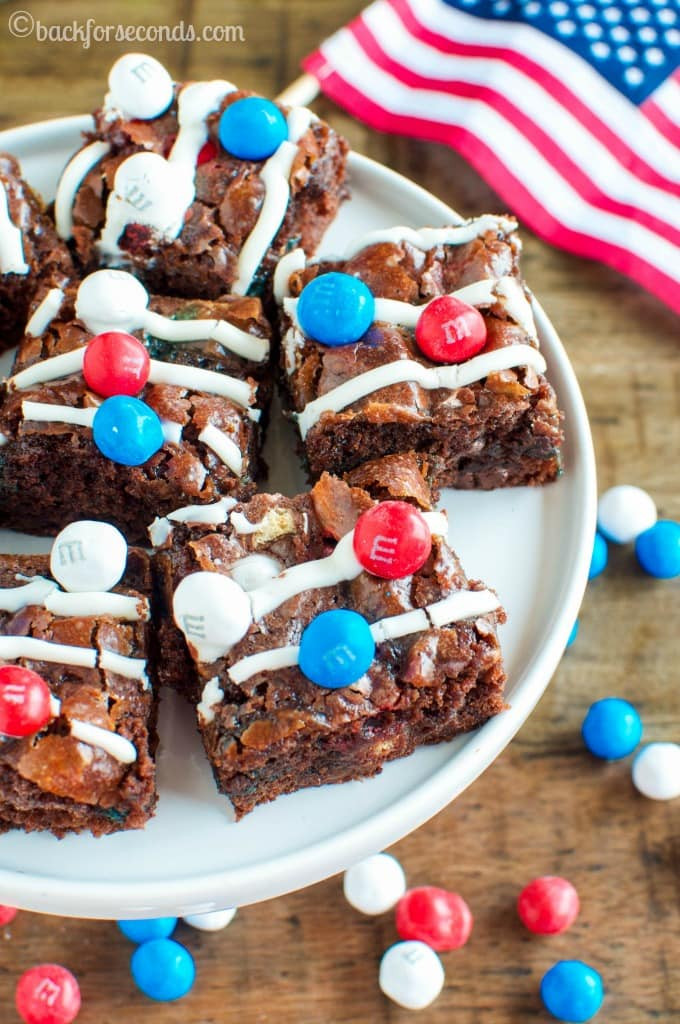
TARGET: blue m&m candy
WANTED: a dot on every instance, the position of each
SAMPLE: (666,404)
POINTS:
(572,991)
(336,648)
(127,430)
(658,549)
(252,128)
(163,969)
(598,562)
(612,728)
(335,309)
(146,930)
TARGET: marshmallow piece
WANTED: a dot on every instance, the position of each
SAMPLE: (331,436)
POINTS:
(254,570)
(88,556)
(411,975)
(213,612)
(213,922)
(624,512)
(111,300)
(140,87)
(656,771)
(375,884)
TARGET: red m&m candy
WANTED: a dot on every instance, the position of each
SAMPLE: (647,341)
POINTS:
(392,539)
(116,363)
(450,331)
(440,918)
(7,914)
(548,905)
(48,994)
(206,153)
(24,701)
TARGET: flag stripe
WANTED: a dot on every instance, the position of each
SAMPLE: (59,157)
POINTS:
(494,164)
(635,142)
(580,158)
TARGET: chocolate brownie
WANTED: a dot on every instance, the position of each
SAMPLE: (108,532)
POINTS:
(207,393)
(491,420)
(187,216)
(30,251)
(90,765)
(267,727)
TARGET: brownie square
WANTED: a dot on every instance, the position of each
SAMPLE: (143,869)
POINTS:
(192,219)
(492,421)
(30,251)
(55,780)
(270,730)
(209,394)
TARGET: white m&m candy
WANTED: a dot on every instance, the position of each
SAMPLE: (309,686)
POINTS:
(411,974)
(624,512)
(140,87)
(375,885)
(88,556)
(111,300)
(213,612)
(656,771)
(213,922)
(147,190)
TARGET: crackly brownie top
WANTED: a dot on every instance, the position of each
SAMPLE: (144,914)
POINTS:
(478,261)
(30,243)
(97,674)
(269,536)
(186,382)
(189,193)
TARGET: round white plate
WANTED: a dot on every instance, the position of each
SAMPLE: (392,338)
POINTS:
(532,545)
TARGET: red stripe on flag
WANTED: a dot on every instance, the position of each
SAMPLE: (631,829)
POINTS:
(513,191)
(521,120)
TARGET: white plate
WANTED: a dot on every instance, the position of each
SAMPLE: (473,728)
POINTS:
(532,545)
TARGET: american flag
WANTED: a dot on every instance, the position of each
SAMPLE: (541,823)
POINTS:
(569,108)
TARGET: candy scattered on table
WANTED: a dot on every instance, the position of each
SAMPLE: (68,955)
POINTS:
(411,974)
(612,728)
(656,771)
(392,540)
(163,969)
(548,905)
(145,930)
(598,562)
(139,87)
(7,914)
(437,917)
(252,128)
(47,994)
(624,512)
(336,648)
(573,634)
(24,702)
(88,555)
(127,430)
(116,363)
(215,921)
(335,309)
(450,331)
(658,550)
(375,884)
(572,991)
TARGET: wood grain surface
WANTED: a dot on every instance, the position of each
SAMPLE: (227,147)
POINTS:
(545,806)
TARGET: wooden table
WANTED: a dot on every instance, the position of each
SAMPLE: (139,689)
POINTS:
(545,806)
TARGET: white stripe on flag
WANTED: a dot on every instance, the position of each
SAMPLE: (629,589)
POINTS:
(667,99)
(547,186)
(588,85)
(534,101)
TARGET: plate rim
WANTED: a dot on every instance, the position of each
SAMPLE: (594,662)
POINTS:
(298,869)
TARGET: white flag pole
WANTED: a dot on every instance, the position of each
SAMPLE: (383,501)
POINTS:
(301,92)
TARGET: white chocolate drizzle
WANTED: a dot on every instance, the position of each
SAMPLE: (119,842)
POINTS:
(275,176)
(429,238)
(44,592)
(45,412)
(214,514)
(172,432)
(224,448)
(118,747)
(464,604)
(73,175)
(12,647)
(11,240)
(48,369)
(44,314)
(403,371)
(121,665)
(230,337)
(291,263)
(210,698)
